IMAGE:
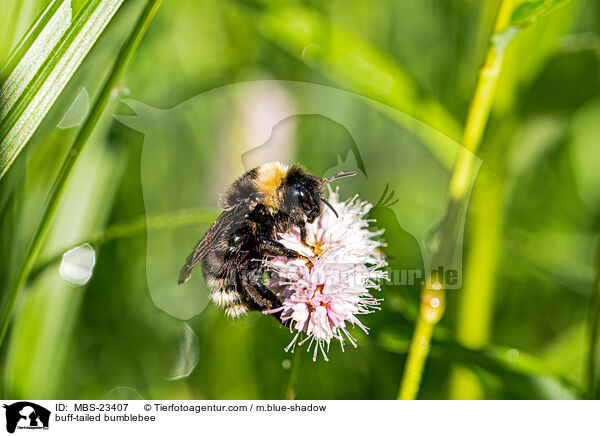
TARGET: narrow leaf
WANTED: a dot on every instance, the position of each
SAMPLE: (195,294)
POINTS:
(32,52)
(24,113)
(529,12)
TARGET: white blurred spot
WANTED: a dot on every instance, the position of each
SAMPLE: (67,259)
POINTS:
(437,286)
(123,393)
(77,265)
(286,364)
(75,115)
(187,354)
(435,302)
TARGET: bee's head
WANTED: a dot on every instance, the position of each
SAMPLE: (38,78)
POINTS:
(303,194)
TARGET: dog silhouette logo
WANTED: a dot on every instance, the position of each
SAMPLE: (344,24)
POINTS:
(26,415)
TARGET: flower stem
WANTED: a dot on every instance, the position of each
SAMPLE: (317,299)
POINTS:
(473,328)
(417,354)
(57,191)
(593,321)
(432,301)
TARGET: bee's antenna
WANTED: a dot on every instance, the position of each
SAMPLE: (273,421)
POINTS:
(331,179)
(337,176)
(329,206)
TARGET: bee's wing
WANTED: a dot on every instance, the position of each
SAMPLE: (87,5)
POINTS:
(227,222)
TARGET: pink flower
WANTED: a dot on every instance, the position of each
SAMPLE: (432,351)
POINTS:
(321,301)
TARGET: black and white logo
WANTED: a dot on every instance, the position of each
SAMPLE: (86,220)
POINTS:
(26,415)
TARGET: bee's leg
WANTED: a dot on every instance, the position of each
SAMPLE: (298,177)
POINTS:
(274,248)
(254,297)
(260,297)
(303,235)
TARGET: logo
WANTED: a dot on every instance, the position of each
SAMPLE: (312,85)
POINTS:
(26,415)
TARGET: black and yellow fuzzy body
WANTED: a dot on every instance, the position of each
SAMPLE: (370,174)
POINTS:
(263,202)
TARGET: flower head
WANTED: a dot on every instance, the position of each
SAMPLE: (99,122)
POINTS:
(323,298)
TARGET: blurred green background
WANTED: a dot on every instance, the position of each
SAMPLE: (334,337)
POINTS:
(519,327)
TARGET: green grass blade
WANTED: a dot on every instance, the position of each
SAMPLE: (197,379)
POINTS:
(28,102)
(15,21)
(57,189)
(34,48)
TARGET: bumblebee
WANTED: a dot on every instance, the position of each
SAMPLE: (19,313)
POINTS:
(263,202)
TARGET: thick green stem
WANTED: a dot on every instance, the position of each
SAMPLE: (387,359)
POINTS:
(475,312)
(57,190)
(432,301)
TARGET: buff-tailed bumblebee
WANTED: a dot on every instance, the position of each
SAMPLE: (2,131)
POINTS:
(263,202)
